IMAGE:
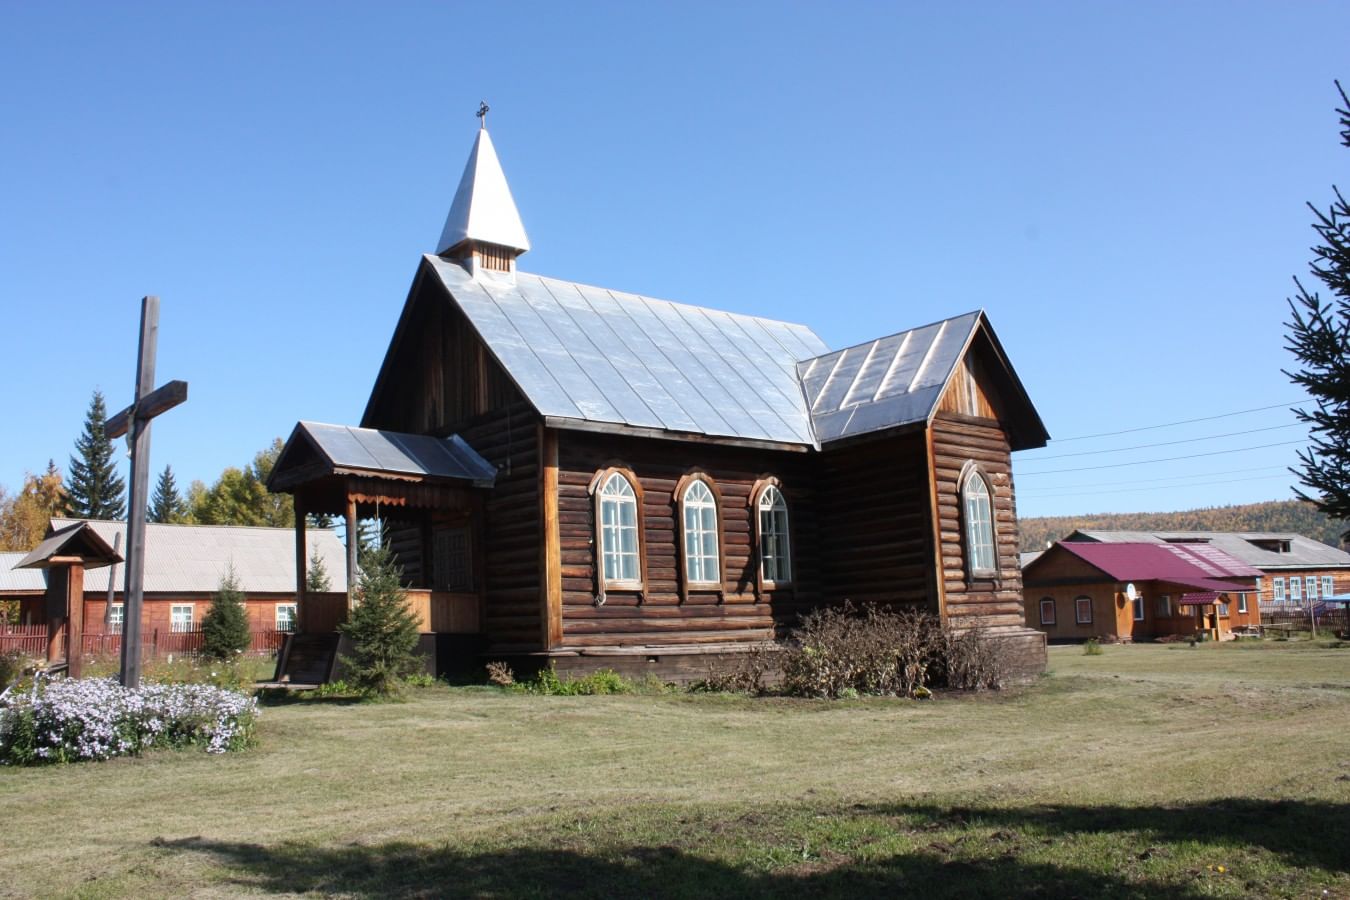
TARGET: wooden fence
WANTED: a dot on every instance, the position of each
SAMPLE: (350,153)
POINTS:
(1298,619)
(31,640)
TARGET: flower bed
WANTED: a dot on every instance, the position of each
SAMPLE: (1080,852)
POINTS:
(97,718)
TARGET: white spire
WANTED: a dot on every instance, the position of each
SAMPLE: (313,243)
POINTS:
(483,209)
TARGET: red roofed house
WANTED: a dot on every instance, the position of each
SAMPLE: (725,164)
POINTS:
(1129,592)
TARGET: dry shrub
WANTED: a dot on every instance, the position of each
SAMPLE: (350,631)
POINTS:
(500,674)
(749,675)
(842,651)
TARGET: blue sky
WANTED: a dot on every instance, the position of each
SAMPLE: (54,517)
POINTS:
(1121,186)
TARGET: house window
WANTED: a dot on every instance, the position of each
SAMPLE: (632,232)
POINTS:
(1278,586)
(978,506)
(116,616)
(285,617)
(1242,602)
(1310,585)
(619,532)
(1165,606)
(180,617)
(1047,611)
(1139,608)
(1296,590)
(701,559)
(775,557)
(1223,608)
(1328,586)
(451,560)
(1082,610)
(1260,586)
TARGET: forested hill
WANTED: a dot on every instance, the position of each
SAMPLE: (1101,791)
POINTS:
(1276,515)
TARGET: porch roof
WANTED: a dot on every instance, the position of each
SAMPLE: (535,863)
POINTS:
(1199,598)
(317,450)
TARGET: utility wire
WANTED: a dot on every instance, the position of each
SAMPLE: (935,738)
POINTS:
(1209,437)
(1182,478)
(1161,487)
(1144,462)
(1240,412)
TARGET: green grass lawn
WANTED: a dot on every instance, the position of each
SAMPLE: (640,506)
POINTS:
(1148,771)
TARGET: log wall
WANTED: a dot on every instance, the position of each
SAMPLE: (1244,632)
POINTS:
(659,615)
(958,439)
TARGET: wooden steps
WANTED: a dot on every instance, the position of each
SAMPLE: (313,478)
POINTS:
(307,659)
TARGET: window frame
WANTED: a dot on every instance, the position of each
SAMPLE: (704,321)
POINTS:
(1277,590)
(1242,602)
(294,617)
(1295,590)
(682,489)
(175,625)
(757,493)
(596,488)
(117,617)
(1078,610)
(1053,620)
(1138,605)
(1310,587)
(969,474)
(1164,610)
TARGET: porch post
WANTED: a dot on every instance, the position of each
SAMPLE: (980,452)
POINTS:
(352,543)
(301,562)
(75,620)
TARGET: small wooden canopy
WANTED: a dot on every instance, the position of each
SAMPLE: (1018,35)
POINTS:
(77,543)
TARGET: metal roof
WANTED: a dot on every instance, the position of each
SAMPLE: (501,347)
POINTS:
(891,381)
(1303,551)
(1157,562)
(193,558)
(348,448)
(483,209)
(72,539)
(584,354)
(12,579)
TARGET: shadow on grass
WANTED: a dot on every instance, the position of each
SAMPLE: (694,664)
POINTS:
(1302,833)
(402,869)
(269,697)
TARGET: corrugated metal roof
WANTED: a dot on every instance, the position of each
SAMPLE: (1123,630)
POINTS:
(192,558)
(1158,562)
(12,579)
(891,381)
(1199,598)
(1303,551)
(588,354)
(74,539)
(369,449)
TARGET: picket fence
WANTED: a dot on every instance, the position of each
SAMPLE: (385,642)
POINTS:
(31,640)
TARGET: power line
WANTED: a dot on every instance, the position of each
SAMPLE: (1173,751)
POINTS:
(1240,412)
(1210,437)
(1161,487)
(1144,462)
(1182,478)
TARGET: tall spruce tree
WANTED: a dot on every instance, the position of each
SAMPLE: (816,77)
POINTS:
(1319,336)
(95,490)
(167,506)
(225,632)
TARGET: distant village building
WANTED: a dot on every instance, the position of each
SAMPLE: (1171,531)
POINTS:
(588,477)
(184,565)
(1143,590)
(1295,571)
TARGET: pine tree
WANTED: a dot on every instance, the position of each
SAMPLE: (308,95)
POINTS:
(95,490)
(225,632)
(167,506)
(316,579)
(1319,336)
(382,629)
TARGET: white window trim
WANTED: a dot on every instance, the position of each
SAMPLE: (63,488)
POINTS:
(117,618)
(1139,607)
(1296,590)
(1077,614)
(1328,586)
(292,618)
(1310,587)
(618,499)
(979,531)
(1277,585)
(1242,602)
(175,625)
(1050,601)
(771,500)
(700,530)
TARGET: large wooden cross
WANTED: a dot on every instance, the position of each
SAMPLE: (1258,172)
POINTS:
(136,420)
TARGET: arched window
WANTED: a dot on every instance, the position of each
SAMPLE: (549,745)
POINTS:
(775,551)
(702,562)
(618,526)
(978,508)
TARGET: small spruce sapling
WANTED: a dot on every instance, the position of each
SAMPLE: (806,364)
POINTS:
(317,580)
(225,631)
(382,629)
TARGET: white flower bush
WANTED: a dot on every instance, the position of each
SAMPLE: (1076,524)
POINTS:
(97,718)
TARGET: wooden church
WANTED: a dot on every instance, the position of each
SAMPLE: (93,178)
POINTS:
(600,479)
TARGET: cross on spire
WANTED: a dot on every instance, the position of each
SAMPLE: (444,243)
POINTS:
(482,113)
